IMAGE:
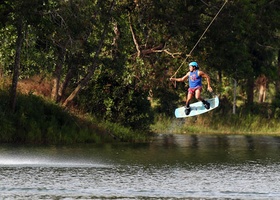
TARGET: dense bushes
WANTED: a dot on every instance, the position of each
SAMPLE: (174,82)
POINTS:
(38,121)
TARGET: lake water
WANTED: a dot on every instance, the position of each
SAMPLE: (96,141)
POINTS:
(170,167)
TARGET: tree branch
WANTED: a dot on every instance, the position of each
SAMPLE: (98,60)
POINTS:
(134,38)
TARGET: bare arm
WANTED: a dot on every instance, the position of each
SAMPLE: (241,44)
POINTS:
(180,79)
(204,75)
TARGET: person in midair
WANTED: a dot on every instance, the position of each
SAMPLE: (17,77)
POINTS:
(195,85)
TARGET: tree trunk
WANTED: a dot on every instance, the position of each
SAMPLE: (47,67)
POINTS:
(19,42)
(234,96)
(62,89)
(250,91)
(83,82)
(262,83)
(262,93)
(86,79)
(57,74)
(278,72)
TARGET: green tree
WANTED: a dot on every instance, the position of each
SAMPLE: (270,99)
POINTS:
(245,45)
(18,15)
(110,56)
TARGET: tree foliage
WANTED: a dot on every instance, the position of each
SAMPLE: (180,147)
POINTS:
(113,58)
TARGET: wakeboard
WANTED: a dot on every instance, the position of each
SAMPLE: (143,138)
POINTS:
(197,108)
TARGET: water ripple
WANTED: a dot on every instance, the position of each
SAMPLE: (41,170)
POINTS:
(144,172)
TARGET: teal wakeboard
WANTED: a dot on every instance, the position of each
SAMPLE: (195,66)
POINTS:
(197,108)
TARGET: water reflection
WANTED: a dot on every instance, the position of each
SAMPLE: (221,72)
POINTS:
(165,149)
(217,148)
(172,166)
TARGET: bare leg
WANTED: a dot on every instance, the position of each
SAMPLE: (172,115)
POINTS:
(189,96)
(198,97)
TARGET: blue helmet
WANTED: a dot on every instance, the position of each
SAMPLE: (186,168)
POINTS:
(194,64)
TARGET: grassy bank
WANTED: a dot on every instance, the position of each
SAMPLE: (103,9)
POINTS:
(217,122)
(39,121)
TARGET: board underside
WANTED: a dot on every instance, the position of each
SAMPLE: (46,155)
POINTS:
(197,108)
